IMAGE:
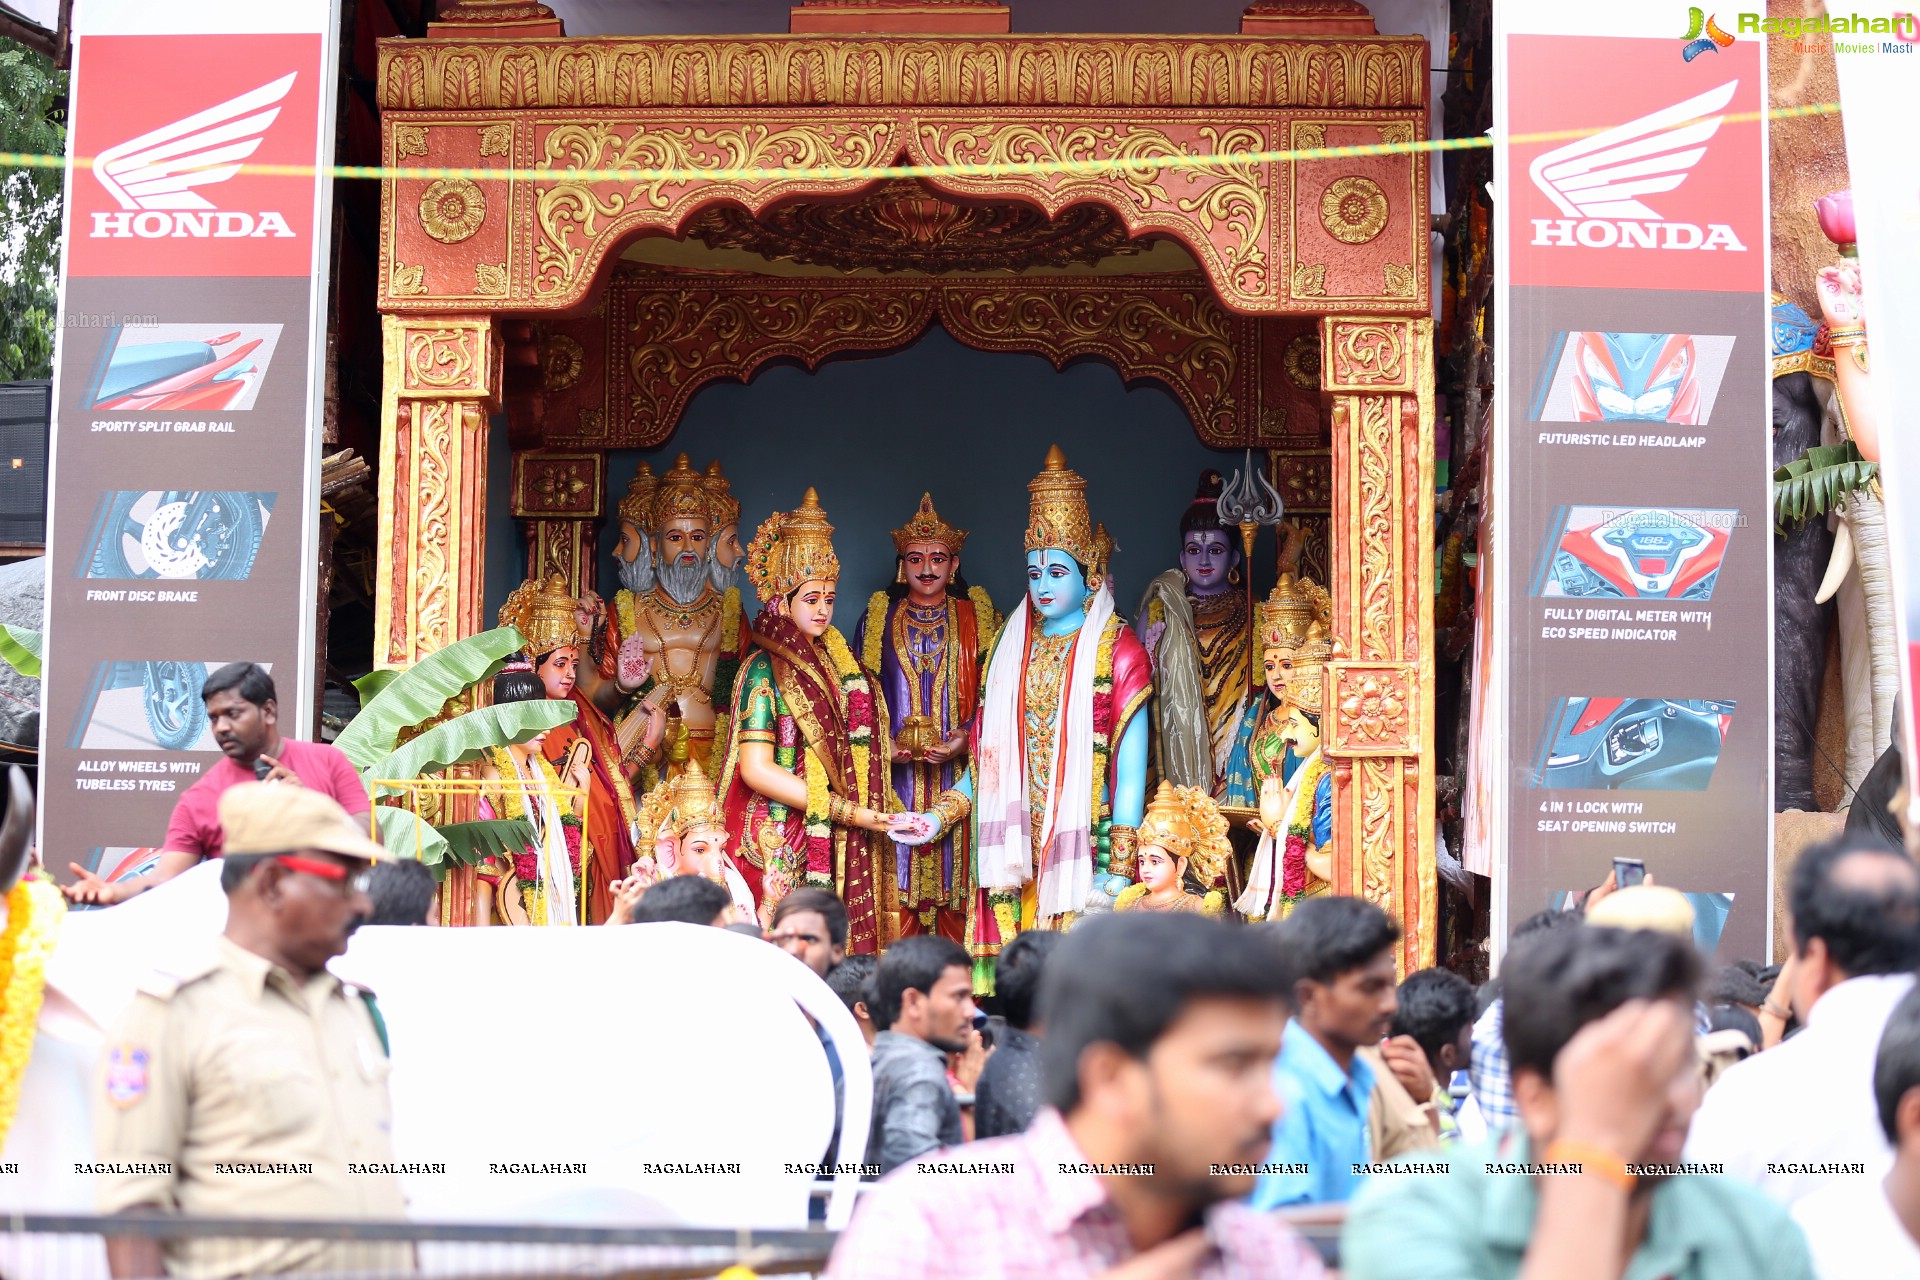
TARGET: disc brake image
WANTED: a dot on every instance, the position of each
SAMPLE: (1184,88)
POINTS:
(179,535)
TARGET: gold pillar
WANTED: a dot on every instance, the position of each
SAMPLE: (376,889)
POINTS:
(1377,376)
(442,380)
(558,498)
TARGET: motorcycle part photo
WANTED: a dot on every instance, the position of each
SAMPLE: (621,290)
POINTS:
(1632,744)
(176,534)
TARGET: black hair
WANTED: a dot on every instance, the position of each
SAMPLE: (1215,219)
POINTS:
(1203,513)
(1732,1017)
(1734,984)
(248,679)
(911,964)
(849,979)
(1434,1005)
(517,686)
(1541,921)
(236,867)
(1094,991)
(1896,1067)
(1867,928)
(824,901)
(748,928)
(1559,981)
(1328,936)
(1017,973)
(684,899)
(402,891)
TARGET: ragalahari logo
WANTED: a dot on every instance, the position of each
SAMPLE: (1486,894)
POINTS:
(1703,35)
(1598,182)
(157,177)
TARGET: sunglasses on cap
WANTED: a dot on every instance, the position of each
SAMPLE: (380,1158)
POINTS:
(355,881)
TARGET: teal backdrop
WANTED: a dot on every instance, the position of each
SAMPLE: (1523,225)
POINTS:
(872,433)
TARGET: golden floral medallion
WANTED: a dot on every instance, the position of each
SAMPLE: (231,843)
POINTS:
(1353,210)
(452,209)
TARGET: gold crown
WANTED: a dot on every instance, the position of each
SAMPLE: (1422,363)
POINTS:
(637,507)
(1187,823)
(543,612)
(1306,681)
(792,547)
(682,493)
(1286,613)
(927,526)
(1057,516)
(694,801)
(726,507)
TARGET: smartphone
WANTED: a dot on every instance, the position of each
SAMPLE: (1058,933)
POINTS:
(261,769)
(1628,871)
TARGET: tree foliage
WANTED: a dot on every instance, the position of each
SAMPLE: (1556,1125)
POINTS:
(30,202)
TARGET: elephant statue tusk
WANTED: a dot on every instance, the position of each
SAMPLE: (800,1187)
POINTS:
(1842,562)
(16,831)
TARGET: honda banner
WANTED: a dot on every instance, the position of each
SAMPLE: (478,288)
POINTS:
(190,351)
(1634,569)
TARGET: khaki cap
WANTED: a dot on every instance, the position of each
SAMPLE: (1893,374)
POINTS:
(276,817)
(1645,906)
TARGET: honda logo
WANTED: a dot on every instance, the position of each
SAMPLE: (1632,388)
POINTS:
(1598,182)
(157,177)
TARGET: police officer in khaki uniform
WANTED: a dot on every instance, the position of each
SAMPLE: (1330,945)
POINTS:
(249,1084)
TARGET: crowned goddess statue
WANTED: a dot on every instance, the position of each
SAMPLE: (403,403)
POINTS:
(1260,749)
(1194,623)
(1294,859)
(540,884)
(1184,852)
(548,619)
(673,638)
(926,637)
(1056,779)
(805,788)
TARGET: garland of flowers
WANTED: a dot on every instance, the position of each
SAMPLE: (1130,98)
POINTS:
(875,635)
(819,827)
(35,909)
(725,672)
(513,804)
(986,617)
(1293,858)
(860,713)
(1102,738)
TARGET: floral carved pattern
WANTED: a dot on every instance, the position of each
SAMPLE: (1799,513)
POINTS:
(1302,361)
(565,361)
(1376,706)
(490,279)
(1369,356)
(444,359)
(435,423)
(497,139)
(1376,453)
(409,140)
(1353,210)
(1399,280)
(407,281)
(452,209)
(1310,280)
(1218,71)
(1378,780)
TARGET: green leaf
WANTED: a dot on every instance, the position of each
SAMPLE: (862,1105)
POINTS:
(470,842)
(407,835)
(464,737)
(421,692)
(20,649)
(369,685)
(1818,481)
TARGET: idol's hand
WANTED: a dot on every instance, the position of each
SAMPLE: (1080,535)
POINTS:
(947,749)
(1839,289)
(1273,805)
(634,664)
(913,828)
(1150,637)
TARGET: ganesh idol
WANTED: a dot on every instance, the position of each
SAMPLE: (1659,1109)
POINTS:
(547,618)
(805,787)
(683,833)
(926,638)
(666,655)
(1294,859)
(1056,779)
(1194,622)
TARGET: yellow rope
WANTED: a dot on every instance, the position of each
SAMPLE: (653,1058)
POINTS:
(835,173)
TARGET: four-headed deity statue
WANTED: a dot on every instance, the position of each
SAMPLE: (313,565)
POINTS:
(666,656)
(548,619)
(1194,623)
(1057,776)
(805,786)
(1184,853)
(1294,859)
(925,638)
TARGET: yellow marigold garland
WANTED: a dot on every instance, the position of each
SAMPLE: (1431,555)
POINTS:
(987,618)
(876,633)
(853,681)
(623,609)
(35,909)
(819,827)
(1103,753)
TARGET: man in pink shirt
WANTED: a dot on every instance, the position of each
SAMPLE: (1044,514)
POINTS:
(1157,1075)
(244,715)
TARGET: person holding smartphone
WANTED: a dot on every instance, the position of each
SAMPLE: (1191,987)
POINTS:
(243,714)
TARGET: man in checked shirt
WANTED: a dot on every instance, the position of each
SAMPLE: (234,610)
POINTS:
(1157,1078)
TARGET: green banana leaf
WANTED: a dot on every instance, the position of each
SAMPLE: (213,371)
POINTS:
(420,693)
(1818,481)
(369,685)
(464,737)
(20,649)
(469,842)
(407,835)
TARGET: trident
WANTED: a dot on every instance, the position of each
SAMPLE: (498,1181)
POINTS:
(1244,504)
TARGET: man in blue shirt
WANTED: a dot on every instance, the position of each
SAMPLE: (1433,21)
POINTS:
(1337,954)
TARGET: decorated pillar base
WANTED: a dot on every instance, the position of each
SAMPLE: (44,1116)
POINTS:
(1377,376)
(441,382)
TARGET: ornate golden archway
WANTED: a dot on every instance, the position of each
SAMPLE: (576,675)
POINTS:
(1339,243)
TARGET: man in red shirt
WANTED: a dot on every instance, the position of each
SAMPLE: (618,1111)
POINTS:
(244,714)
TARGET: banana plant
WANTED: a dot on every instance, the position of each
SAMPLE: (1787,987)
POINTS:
(1818,481)
(396,703)
(20,649)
